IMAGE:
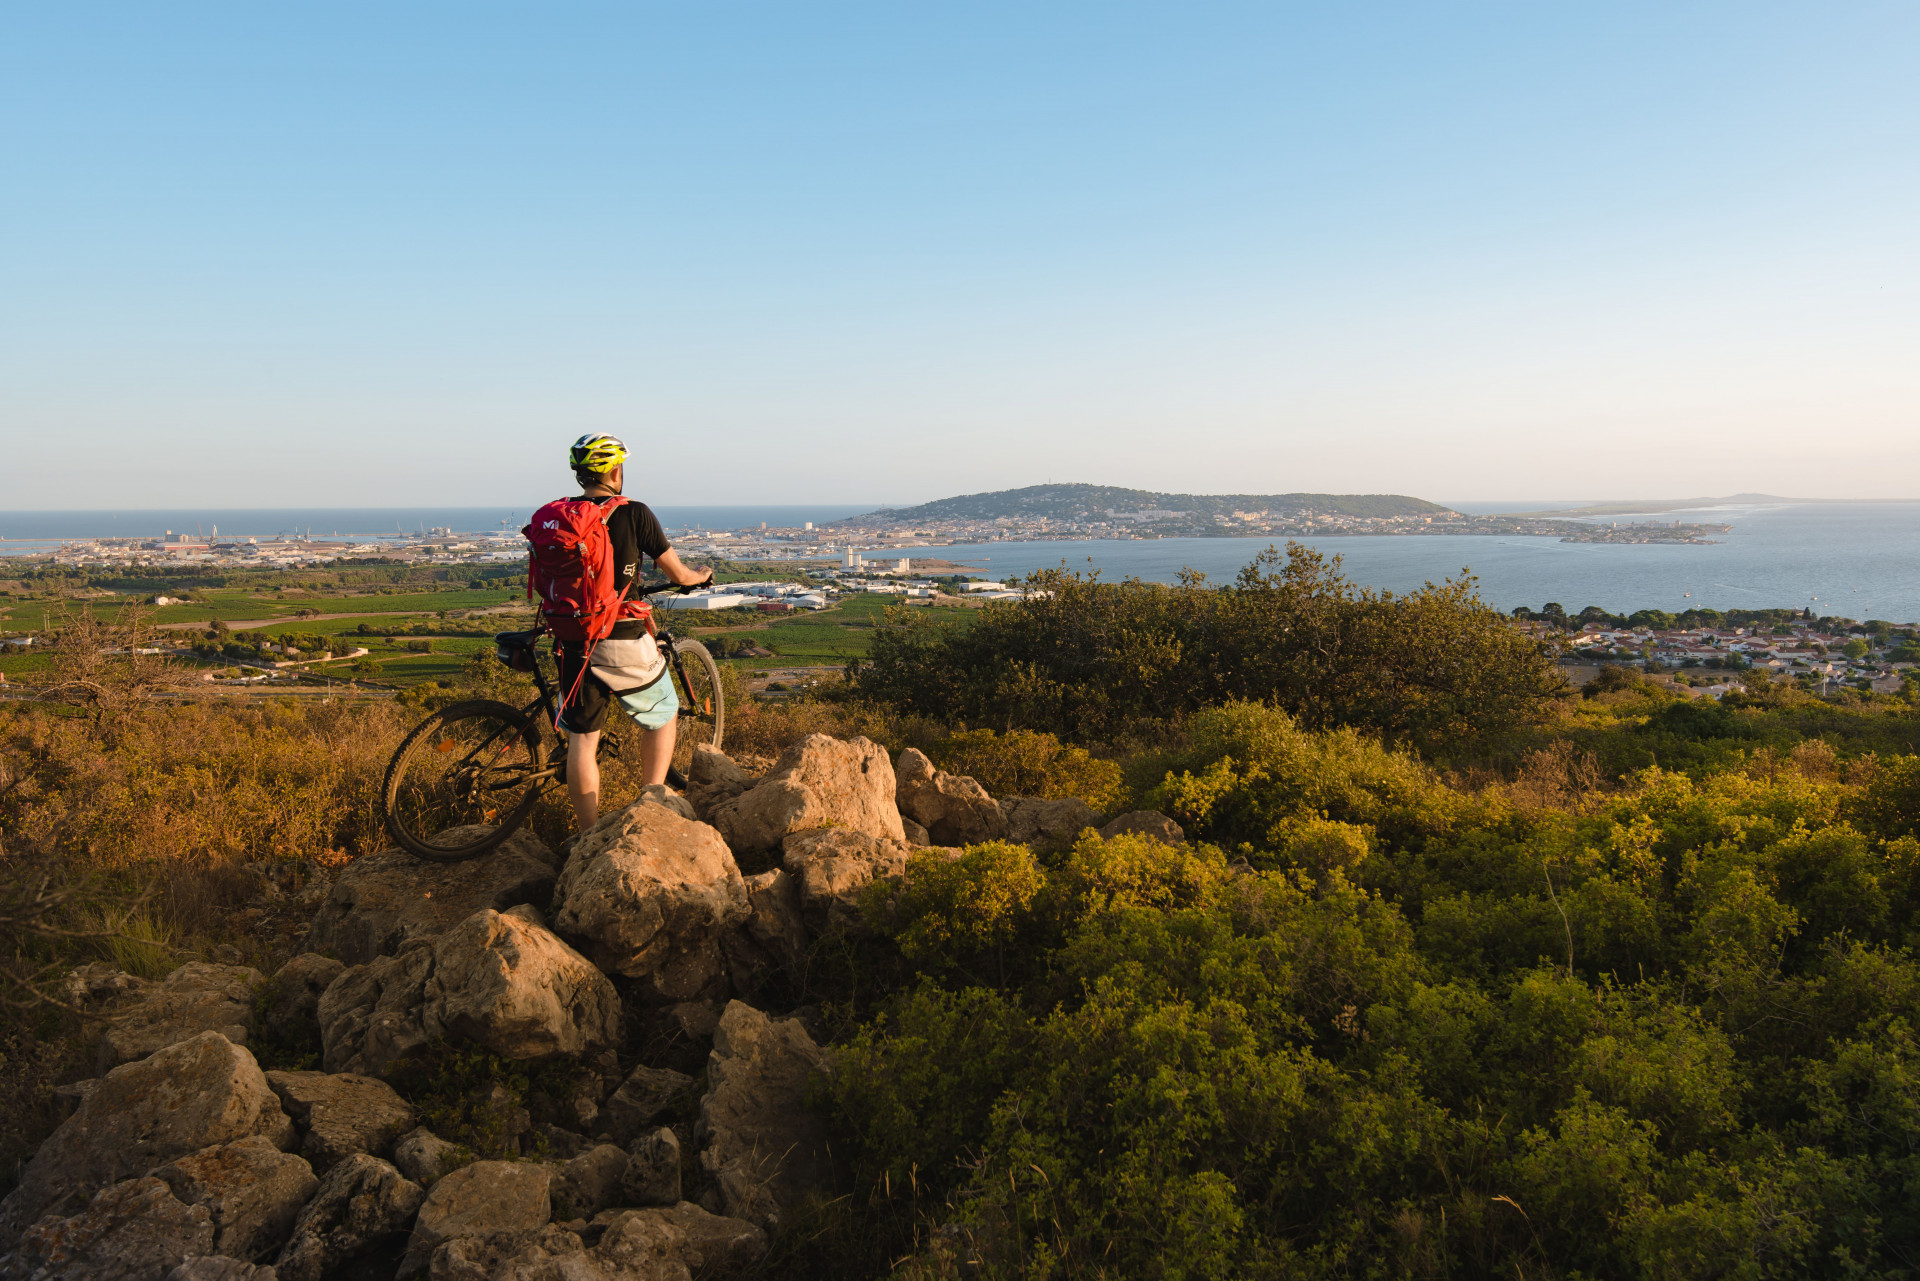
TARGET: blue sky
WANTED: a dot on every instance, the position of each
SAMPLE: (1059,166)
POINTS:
(254,255)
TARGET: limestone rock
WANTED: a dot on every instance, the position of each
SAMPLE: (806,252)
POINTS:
(99,981)
(294,992)
(425,1157)
(198,997)
(342,1113)
(361,1203)
(651,1173)
(374,1013)
(200,1092)
(765,1150)
(135,1230)
(382,901)
(550,1254)
(953,808)
(817,782)
(253,1190)
(650,894)
(916,834)
(661,794)
(496,980)
(831,866)
(590,1182)
(1047,825)
(1148,823)
(642,1099)
(712,778)
(220,1267)
(773,940)
(486,1199)
(709,1244)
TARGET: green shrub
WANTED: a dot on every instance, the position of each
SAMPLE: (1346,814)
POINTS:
(1030,763)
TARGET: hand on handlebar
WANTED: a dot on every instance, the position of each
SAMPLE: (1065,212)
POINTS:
(694,587)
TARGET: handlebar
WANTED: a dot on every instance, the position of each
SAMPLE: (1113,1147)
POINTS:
(657,588)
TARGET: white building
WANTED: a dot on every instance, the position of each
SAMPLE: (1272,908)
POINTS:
(705,600)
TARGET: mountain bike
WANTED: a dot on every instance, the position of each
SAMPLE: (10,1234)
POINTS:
(467,777)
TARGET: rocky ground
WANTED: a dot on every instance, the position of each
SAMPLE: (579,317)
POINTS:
(678,924)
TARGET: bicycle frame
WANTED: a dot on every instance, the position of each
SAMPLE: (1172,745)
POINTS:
(546,704)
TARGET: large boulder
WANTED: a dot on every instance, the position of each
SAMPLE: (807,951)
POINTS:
(252,1189)
(649,894)
(707,1244)
(590,1182)
(651,1174)
(499,980)
(817,782)
(382,901)
(488,1199)
(1147,823)
(135,1230)
(765,1149)
(1047,824)
(642,1099)
(362,1203)
(342,1113)
(292,1005)
(830,866)
(953,808)
(200,1092)
(198,997)
(713,778)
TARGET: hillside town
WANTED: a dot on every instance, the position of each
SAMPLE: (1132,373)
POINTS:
(1824,655)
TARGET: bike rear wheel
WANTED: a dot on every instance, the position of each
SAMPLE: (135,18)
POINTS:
(464,780)
(703,709)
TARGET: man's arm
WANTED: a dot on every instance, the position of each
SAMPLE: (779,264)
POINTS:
(668,562)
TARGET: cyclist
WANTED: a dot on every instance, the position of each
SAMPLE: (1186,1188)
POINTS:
(598,463)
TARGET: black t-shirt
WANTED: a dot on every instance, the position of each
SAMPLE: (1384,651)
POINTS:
(635,531)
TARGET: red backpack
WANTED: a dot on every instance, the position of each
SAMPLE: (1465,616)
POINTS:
(572,567)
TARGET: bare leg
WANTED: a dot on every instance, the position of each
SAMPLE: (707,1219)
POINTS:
(656,752)
(583,777)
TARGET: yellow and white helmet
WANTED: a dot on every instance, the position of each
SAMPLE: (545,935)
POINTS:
(597,452)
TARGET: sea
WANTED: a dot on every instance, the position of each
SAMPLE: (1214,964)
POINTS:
(1856,560)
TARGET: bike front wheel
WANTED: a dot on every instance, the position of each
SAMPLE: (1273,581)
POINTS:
(464,781)
(703,708)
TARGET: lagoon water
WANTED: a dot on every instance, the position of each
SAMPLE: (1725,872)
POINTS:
(1858,560)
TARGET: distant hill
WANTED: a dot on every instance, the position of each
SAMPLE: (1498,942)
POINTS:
(1094,502)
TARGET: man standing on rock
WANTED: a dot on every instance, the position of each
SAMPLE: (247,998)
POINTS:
(598,463)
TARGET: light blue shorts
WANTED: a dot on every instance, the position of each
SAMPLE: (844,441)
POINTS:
(653,707)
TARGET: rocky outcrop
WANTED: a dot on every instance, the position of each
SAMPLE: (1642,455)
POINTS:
(293,996)
(361,1203)
(916,835)
(670,1244)
(817,782)
(198,997)
(339,1114)
(953,808)
(382,901)
(765,1150)
(485,1200)
(252,1190)
(830,866)
(773,941)
(135,1230)
(497,979)
(1147,823)
(649,894)
(1047,824)
(198,1093)
(642,1099)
